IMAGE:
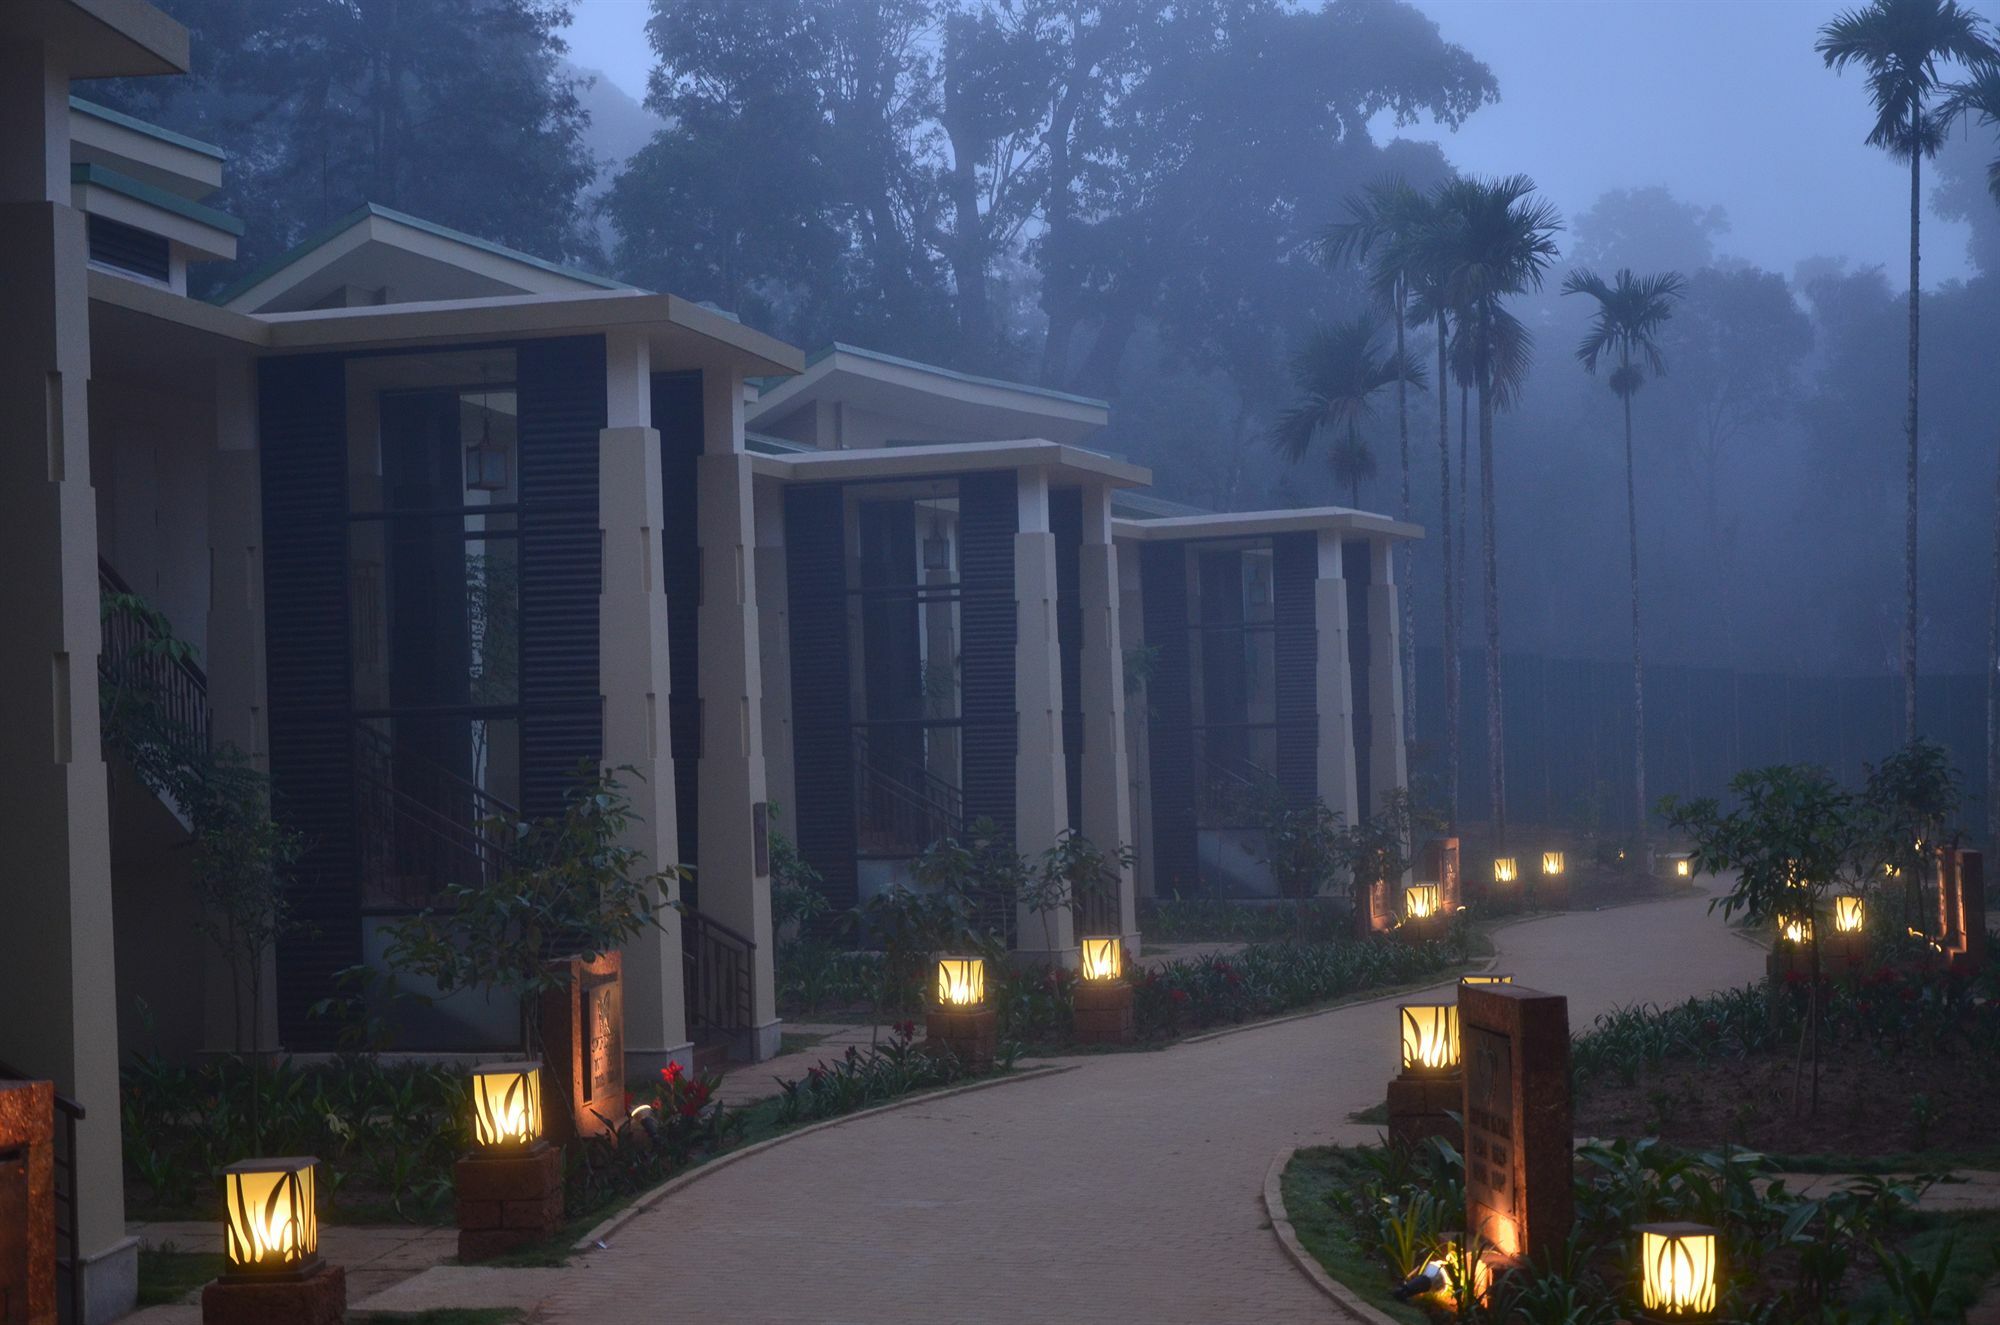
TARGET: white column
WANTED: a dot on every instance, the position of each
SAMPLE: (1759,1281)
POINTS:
(733,889)
(235,662)
(1041,783)
(1107,784)
(633,672)
(1337,789)
(1388,757)
(57,982)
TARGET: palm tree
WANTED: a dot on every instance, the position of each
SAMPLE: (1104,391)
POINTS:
(1384,222)
(1630,312)
(1338,374)
(1489,239)
(1901,44)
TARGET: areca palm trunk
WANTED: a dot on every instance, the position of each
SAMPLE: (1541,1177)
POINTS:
(1405,553)
(1450,619)
(1910,427)
(1993,676)
(1496,727)
(1638,654)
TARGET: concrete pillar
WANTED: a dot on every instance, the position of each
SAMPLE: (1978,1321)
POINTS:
(735,878)
(632,646)
(1337,788)
(235,664)
(57,982)
(1107,805)
(1138,735)
(1041,783)
(1388,757)
(774,636)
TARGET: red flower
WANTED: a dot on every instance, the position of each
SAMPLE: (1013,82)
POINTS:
(1180,996)
(671,1073)
(906,1030)
(690,1109)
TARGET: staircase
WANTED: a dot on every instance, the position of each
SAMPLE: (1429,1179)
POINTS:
(717,967)
(901,807)
(421,825)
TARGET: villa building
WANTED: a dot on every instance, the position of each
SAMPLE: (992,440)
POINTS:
(445,523)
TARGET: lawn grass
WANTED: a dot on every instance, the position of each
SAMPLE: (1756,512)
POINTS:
(1311,1183)
(166,1276)
(797,1042)
(1975,1251)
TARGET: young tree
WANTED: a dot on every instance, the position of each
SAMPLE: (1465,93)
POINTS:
(1901,44)
(1383,225)
(1630,313)
(1490,239)
(1338,373)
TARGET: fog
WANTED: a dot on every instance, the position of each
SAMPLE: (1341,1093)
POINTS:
(885,172)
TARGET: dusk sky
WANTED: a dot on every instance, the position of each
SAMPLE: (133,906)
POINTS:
(1723,101)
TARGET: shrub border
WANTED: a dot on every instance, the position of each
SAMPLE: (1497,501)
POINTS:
(1340,1294)
(646,1201)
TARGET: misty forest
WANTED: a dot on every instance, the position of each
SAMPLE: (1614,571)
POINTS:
(1204,214)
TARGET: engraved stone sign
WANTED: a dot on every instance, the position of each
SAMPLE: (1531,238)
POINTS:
(583,1043)
(1962,908)
(1514,1043)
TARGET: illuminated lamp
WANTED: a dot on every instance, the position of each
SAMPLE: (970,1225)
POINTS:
(1677,1271)
(1430,1037)
(1506,869)
(1488,979)
(1850,914)
(961,982)
(507,1105)
(1102,1002)
(272,1217)
(1552,864)
(1421,901)
(1795,929)
(1102,959)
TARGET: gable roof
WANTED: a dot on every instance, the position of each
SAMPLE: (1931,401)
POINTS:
(927,393)
(375,246)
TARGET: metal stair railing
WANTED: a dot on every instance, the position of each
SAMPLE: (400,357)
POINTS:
(717,967)
(418,818)
(129,656)
(902,805)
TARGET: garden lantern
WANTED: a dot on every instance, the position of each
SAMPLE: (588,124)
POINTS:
(1677,1265)
(1506,870)
(1430,1037)
(961,982)
(1795,929)
(1101,1006)
(1421,901)
(507,1104)
(1849,914)
(272,1217)
(959,1020)
(1487,979)
(1102,959)
(1552,864)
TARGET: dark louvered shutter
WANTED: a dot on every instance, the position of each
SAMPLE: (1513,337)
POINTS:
(302,433)
(1066,521)
(561,386)
(1355,566)
(822,734)
(677,416)
(988,517)
(1295,570)
(1170,732)
(128,248)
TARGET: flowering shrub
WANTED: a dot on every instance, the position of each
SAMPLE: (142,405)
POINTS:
(670,1125)
(861,1077)
(1269,978)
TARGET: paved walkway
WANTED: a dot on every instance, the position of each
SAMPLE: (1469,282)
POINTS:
(1126,1189)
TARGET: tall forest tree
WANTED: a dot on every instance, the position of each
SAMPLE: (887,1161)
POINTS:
(458,111)
(1902,45)
(1631,311)
(1490,240)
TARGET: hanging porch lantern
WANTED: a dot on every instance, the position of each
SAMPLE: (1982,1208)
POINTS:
(507,1105)
(937,548)
(1677,1271)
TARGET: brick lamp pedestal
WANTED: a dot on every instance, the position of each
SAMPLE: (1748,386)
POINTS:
(318,1297)
(971,1033)
(1789,959)
(1103,1012)
(507,1201)
(1421,1107)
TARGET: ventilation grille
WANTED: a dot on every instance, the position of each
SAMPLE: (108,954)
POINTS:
(128,248)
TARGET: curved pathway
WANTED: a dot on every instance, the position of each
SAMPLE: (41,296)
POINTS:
(1128,1189)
